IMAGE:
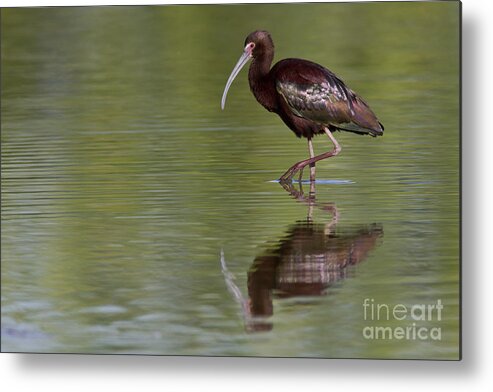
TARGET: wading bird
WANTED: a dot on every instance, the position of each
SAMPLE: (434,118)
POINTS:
(309,98)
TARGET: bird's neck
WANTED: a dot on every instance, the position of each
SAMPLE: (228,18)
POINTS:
(263,88)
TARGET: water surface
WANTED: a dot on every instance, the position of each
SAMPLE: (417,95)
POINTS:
(137,217)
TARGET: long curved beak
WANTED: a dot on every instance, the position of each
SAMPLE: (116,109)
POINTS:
(247,55)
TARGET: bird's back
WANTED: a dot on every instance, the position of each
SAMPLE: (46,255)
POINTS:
(314,93)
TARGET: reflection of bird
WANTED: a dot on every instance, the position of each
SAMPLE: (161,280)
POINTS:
(309,98)
(307,261)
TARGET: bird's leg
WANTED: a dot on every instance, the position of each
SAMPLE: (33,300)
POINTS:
(312,165)
(287,177)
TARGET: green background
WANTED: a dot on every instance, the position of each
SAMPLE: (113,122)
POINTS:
(122,179)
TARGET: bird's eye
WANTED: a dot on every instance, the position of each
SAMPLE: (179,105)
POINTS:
(251,45)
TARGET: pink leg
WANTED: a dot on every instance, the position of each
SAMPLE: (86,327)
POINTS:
(312,165)
(287,177)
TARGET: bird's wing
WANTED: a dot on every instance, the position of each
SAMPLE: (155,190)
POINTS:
(315,93)
(317,102)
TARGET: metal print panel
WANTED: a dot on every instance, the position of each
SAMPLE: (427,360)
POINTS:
(148,208)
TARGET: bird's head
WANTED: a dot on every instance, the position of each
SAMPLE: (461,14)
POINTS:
(257,44)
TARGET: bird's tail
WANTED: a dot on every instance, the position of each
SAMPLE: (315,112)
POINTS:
(362,120)
(359,130)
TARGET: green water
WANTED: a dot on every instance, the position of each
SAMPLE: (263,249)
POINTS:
(123,182)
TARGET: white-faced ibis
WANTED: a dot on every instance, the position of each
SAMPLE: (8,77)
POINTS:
(309,98)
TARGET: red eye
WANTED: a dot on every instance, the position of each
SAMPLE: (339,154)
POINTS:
(251,45)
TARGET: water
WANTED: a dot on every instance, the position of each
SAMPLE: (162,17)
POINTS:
(137,217)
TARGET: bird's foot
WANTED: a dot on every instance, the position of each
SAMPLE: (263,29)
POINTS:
(290,173)
(288,176)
